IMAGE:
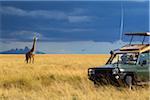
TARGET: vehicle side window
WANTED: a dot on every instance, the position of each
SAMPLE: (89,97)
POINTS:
(144,58)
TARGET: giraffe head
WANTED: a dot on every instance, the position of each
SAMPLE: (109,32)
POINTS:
(35,37)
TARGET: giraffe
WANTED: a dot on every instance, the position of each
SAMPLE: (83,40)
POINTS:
(30,55)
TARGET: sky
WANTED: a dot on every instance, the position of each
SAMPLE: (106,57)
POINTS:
(71,27)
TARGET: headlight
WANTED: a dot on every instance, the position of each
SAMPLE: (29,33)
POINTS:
(91,71)
(115,71)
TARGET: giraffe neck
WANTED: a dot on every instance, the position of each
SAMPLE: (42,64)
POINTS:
(33,46)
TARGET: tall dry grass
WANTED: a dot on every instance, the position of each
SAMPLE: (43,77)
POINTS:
(57,77)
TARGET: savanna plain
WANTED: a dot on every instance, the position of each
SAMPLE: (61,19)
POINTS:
(58,77)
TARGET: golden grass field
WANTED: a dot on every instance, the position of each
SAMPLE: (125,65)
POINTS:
(58,77)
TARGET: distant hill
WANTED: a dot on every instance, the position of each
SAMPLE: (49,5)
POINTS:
(19,51)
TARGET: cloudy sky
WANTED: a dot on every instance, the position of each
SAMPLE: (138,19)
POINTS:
(85,27)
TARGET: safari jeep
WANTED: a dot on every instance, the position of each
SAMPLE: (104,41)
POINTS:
(128,65)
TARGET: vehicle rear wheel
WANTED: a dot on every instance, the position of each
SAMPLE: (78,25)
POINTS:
(129,81)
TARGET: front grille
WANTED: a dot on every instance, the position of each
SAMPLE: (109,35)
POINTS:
(103,71)
(100,73)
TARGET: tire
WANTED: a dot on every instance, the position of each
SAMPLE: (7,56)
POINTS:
(129,81)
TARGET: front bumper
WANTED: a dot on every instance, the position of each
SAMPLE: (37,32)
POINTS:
(104,77)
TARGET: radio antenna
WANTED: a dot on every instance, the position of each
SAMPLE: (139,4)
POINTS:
(121,21)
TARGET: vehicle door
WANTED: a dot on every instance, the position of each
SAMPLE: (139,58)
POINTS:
(143,66)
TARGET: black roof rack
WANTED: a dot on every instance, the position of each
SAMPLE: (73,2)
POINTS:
(138,33)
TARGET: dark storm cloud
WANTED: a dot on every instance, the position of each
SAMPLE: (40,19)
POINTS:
(71,21)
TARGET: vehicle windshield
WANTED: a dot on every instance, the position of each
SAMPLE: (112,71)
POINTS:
(126,58)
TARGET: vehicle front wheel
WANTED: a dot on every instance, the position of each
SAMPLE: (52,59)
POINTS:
(129,81)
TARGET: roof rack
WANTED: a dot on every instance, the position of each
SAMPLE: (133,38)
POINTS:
(138,34)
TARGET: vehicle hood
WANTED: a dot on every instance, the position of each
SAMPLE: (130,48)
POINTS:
(106,66)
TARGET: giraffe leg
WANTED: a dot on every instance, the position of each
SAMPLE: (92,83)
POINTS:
(26,59)
(33,59)
(30,59)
